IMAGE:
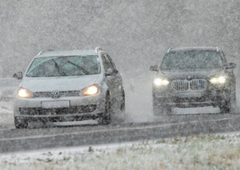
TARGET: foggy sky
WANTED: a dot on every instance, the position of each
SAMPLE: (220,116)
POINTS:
(135,33)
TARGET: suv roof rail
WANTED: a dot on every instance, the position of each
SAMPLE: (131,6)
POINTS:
(218,49)
(169,50)
(44,50)
(98,49)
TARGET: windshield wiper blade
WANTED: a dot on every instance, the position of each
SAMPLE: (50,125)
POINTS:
(79,67)
(58,68)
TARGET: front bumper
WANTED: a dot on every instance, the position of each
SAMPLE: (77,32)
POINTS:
(80,108)
(211,96)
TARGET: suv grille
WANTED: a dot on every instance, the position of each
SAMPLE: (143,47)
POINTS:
(184,85)
(57,111)
(61,94)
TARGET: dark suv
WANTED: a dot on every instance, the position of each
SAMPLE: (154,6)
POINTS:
(194,77)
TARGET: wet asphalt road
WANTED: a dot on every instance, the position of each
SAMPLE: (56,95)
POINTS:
(12,139)
(140,125)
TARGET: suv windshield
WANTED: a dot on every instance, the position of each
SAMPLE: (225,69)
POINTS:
(64,66)
(187,60)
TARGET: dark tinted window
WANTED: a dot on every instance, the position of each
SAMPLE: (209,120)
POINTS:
(111,62)
(106,62)
(191,60)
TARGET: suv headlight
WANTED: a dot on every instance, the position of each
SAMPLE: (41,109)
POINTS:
(218,80)
(160,82)
(89,91)
(24,93)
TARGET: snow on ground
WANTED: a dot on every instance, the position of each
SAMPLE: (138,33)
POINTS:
(199,152)
(6,115)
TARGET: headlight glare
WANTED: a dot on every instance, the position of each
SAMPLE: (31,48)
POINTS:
(160,82)
(90,90)
(24,93)
(218,80)
(221,80)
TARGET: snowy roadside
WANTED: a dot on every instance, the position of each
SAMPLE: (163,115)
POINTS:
(200,152)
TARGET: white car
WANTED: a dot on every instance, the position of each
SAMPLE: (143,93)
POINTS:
(63,86)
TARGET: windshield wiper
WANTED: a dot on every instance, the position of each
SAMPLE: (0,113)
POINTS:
(79,67)
(58,68)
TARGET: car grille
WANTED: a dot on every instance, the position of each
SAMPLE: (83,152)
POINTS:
(60,94)
(57,111)
(184,85)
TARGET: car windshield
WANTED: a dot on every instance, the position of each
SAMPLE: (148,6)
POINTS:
(188,60)
(64,66)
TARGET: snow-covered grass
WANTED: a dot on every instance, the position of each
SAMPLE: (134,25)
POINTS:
(200,152)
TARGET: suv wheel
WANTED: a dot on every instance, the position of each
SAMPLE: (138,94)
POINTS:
(226,107)
(122,107)
(20,123)
(233,105)
(229,105)
(233,100)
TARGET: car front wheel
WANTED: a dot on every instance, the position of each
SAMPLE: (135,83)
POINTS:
(122,107)
(229,105)
(106,116)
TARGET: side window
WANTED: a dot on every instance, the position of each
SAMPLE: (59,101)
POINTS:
(106,62)
(112,63)
(223,58)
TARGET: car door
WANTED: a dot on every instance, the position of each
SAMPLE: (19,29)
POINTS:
(231,75)
(113,80)
(118,84)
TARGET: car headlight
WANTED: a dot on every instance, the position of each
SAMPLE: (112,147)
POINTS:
(24,93)
(160,82)
(90,91)
(218,80)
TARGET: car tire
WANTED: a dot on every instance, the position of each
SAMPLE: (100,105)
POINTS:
(105,119)
(233,105)
(233,98)
(121,117)
(122,107)
(226,107)
(20,123)
(160,108)
(229,106)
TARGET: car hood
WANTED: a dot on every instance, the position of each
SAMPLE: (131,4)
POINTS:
(36,84)
(190,74)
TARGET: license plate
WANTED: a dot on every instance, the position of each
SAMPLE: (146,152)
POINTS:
(55,104)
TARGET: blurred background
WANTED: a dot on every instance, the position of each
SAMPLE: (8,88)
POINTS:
(136,34)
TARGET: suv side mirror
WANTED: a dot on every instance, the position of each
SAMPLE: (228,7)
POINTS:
(109,72)
(231,66)
(154,68)
(18,75)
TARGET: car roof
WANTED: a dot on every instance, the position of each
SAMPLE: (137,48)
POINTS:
(51,53)
(194,49)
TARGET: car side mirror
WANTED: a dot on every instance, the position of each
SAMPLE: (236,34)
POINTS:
(18,75)
(231,66)
(109,72)
(154,68)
